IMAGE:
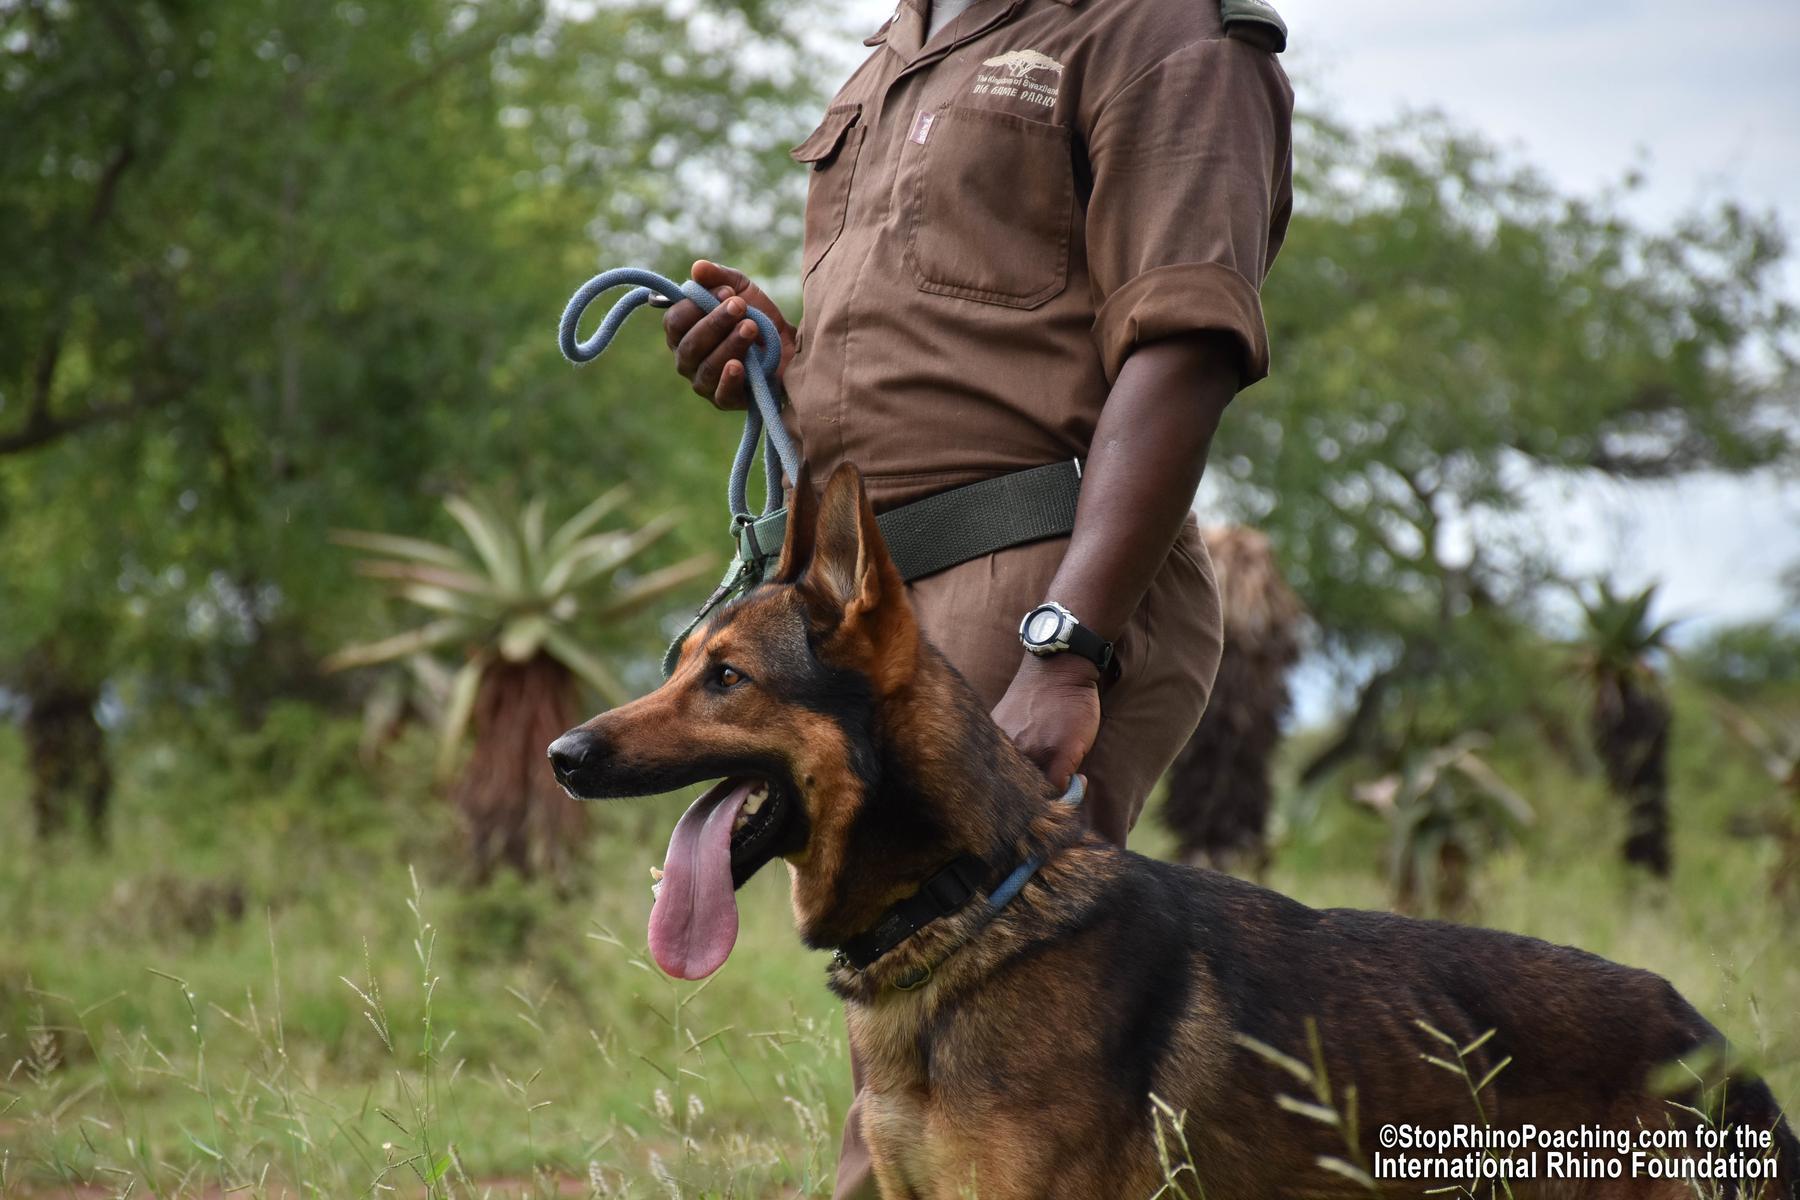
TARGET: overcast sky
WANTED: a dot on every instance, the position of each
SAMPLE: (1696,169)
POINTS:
(1704,99)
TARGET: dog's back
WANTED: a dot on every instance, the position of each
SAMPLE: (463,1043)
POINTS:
(1279,1036)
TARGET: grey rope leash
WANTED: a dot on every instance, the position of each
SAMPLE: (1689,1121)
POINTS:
(762,418)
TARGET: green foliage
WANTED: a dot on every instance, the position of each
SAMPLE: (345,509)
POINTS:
(1450,333)
(1744,659)
(280,267)
(280,1002)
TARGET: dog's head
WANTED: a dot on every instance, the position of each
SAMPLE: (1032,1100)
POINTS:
(792,695)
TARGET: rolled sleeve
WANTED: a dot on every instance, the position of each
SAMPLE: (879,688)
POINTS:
(1192,189)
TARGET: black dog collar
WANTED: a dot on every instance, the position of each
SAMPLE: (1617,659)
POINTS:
(942,894)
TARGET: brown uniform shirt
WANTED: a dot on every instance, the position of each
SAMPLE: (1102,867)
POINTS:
(995,220)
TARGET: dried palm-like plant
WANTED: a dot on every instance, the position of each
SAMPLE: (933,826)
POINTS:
(513,607)
(1630,718)
(1219,786)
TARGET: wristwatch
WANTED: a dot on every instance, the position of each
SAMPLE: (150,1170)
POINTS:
(1051,629)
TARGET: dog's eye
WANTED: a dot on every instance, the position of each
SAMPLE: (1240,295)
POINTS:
(729,677)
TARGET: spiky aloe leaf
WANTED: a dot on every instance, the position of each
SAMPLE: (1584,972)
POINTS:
(425,637)
(467,581)
(653,587)
(570,654)
(433,680)
(1477,771)
(572,530)
(594,557)
(497,545)
(584,562)
(403,547)
(458,710)
(480,607)
(531,539)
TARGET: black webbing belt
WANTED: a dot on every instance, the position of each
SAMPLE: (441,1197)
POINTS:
(926,536)
(950,528)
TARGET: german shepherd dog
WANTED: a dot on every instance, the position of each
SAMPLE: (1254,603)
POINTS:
(1028,1050)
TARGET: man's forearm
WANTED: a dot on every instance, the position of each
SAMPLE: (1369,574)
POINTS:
(1140,477)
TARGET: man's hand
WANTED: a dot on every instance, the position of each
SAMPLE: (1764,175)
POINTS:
(709,349)
(1052,712)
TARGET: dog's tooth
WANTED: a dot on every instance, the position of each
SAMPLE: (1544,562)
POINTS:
(656,873)
(755,802)
(741,821)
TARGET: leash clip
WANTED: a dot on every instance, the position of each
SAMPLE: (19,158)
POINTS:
(743,532)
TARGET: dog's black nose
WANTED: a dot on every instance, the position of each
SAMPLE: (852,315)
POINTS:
(568,752)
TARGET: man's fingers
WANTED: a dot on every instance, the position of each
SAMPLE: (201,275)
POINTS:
(679,318)
(684,315)
(711,372)
(1057,760)
(730,395)
(698,343)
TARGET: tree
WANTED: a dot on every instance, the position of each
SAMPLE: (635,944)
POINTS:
(1630,718)
(1219,787)
(516,608)
(281,267)
(1452,333)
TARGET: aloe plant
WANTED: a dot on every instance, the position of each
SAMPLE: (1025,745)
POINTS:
(1631,718)
(1447,809)
(512,603)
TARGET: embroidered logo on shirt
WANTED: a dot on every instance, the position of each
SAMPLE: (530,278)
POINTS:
(1024,62)
(1021,74)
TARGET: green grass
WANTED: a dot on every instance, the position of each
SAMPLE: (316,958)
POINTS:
(271,981)
(323,1030)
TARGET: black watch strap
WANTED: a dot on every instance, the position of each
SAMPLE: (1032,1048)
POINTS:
(1095,649)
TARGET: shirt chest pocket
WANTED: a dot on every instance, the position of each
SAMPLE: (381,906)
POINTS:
(992,206)
(831,151)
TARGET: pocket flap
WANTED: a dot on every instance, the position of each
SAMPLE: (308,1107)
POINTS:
(828,137)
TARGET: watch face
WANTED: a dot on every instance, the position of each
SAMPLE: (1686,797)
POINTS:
(1042,627)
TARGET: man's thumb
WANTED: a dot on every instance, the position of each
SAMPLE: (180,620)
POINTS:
(711,275)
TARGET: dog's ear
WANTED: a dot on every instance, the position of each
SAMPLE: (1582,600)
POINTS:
(850,562)
(797,542)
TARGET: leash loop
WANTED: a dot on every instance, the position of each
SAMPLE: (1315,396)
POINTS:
(762,418)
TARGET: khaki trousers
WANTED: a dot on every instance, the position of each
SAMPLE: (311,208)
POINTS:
(1168,656)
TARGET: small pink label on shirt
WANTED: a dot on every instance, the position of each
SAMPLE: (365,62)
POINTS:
(922,126)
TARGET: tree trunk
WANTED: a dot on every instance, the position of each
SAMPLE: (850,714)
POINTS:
(511,805)
(65,749)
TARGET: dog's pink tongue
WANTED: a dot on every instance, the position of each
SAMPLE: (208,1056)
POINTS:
(694,922)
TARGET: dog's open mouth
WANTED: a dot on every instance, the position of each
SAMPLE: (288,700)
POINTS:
(723,839)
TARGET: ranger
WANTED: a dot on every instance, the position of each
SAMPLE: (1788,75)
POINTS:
(1036,233)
